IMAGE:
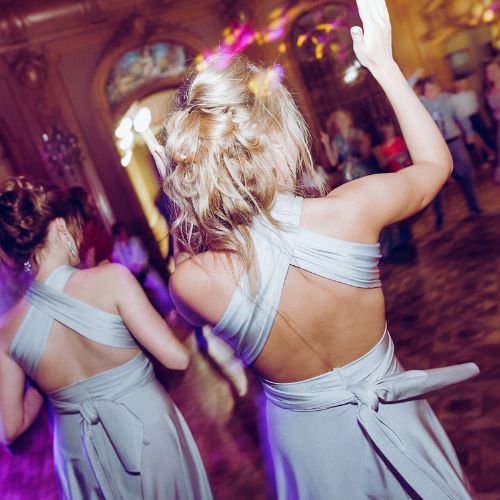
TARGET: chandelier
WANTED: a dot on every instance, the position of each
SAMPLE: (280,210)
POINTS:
(61,151)
(481,12)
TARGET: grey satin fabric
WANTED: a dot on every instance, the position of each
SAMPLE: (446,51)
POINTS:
(247,321)
(117,435)
(357,432)
(378,396)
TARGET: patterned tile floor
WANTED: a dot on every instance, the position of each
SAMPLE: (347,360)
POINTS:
(443,307)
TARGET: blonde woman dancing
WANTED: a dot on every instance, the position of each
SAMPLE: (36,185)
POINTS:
(293,284)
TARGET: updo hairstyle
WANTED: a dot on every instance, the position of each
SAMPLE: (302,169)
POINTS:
(26,210)
(235,140)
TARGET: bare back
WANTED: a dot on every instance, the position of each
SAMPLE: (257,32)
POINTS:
(69,357)
(321,323)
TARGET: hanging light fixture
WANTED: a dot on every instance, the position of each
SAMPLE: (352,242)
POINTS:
(126,159)
(124,127)
(142,120)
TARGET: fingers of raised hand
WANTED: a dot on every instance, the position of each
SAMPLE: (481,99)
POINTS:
(357,34)
(365,12)
(373,13)
(381,6)
(358,42)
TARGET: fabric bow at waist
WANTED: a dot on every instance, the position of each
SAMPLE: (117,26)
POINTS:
(123,429)
(112,434)
(367,395)
(110,431)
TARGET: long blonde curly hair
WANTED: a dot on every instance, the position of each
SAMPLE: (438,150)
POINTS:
(235,140)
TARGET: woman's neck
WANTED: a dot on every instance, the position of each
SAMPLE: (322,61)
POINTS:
(49,262)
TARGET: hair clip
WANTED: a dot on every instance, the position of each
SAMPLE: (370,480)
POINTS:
(28,268)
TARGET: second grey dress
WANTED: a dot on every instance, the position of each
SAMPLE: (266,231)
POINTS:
(117,435)
(360,431)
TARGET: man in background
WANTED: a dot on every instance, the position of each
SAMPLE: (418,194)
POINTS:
(440,106)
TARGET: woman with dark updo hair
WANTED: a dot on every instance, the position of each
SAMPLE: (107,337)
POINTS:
(76,335)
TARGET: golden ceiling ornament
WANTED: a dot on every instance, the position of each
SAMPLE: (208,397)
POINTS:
(444,17)
(458,8)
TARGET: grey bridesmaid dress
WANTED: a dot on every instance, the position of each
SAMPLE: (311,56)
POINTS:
(359,431)
(117,434)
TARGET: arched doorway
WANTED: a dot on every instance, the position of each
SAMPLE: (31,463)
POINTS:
(135,137)
(137,90)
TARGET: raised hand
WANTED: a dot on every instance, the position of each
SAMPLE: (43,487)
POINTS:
(373,43)
(324,137)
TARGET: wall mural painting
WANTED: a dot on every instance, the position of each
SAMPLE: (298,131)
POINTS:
(145,64)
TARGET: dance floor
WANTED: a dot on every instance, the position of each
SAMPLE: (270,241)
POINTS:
(443,308)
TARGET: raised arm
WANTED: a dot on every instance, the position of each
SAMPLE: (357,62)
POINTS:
(18,406)
(331,149)
(387,198)
(144,322)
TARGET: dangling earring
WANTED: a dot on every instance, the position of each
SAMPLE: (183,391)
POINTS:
(71,247)
(28,268)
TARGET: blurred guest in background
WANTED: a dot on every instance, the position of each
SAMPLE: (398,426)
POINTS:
(348,148)
(466,105)
(96,244)
(441,108)
(392,156)
(493,96)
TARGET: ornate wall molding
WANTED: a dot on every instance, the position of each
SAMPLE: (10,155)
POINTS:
(13,27)
(137,29)
(29,68)
(28,21)
(135,26)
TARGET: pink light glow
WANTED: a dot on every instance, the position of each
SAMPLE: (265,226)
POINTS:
(240,36)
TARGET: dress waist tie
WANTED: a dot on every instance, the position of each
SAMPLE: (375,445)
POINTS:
(390,389)
(105,419)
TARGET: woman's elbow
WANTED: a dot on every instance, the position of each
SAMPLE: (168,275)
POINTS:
(184,363)
(8,440)
(8,436)
(185,358)
(181,361)
(447,164)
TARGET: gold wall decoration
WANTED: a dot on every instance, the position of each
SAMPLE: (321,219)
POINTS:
(29,68)
(444,17)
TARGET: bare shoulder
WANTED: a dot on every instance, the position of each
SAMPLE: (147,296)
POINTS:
(355,192)
(202,286)
(342,213)
(103,286)
(106,275)
(195,274)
